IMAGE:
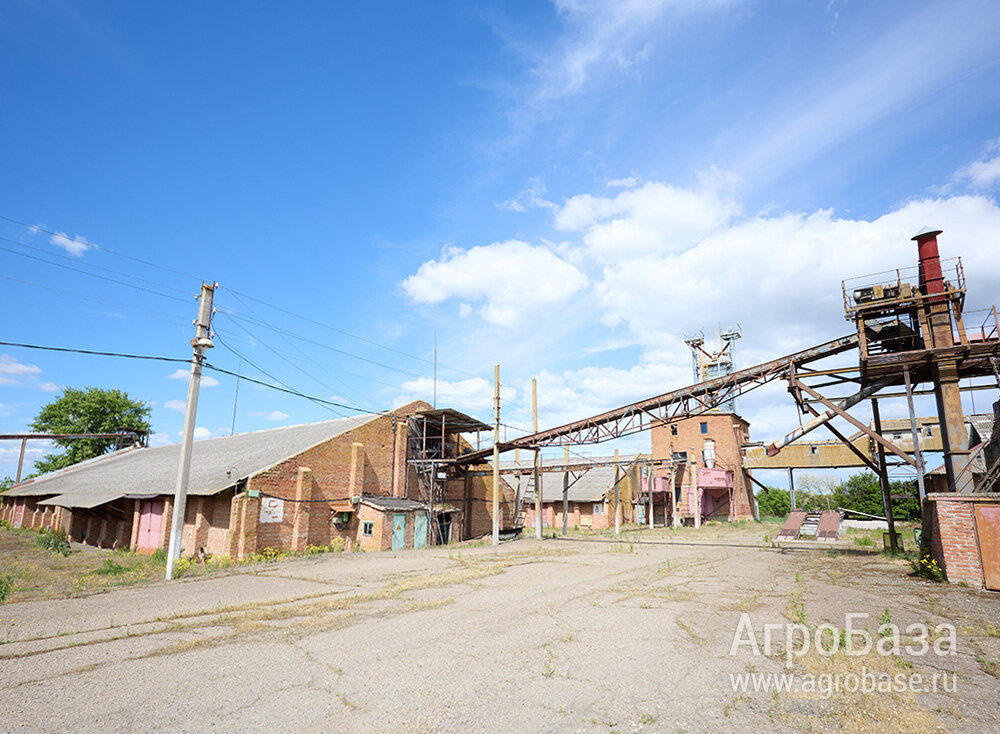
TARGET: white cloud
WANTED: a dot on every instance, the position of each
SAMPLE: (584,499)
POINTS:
(778,274)
(277,415)
(49,387)
(73,245)
(600,37)
(653,219)
(513,277)
(982,173)
(182,374)
(622,183)
(178,405)
(533,197)
(474,395)
(159,439)
(9,365)
(199,433)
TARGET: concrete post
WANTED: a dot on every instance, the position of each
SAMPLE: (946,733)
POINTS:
(303,493)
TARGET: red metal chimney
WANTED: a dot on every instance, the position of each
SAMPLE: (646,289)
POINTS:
(931,277)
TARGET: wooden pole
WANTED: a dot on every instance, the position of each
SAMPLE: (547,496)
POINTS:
(496,455)
(618,507)
(20,459)
(565,491)
(538,461)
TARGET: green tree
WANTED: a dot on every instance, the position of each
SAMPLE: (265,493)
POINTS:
(6,483)
(88,411)
(773,502)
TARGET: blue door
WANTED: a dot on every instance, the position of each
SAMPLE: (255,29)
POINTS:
(399,531)
(419,530)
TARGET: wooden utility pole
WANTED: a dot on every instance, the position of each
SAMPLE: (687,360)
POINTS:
(618,507)
(496,455)
(200,343)
(565,490)
(883,480)
(20,459)
(538,460)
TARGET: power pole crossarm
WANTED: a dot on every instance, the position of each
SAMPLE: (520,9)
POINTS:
(200,343)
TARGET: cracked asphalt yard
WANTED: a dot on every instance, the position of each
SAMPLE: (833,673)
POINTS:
(581,634)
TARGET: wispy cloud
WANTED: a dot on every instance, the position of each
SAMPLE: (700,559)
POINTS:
(178,405)
(73,245)
(892,74)
(9,365)
(182,374)
(984,173)
(274,415)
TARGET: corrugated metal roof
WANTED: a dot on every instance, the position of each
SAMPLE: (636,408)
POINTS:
(591,486)
(216,464)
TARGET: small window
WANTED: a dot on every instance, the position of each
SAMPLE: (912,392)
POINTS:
(673,429)
(598,508)
(368,529)
(929,431)
(704,427)
(814,450)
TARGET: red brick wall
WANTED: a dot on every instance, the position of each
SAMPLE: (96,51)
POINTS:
(954,544)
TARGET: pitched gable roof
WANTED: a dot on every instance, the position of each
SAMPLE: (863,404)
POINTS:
(216,464)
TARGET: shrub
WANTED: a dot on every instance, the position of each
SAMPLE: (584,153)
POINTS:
(53,540)
(6,586)
(865,541)
(158,556)
(928,568)
(6,525)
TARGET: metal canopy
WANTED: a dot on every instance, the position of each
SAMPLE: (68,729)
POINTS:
(451,420)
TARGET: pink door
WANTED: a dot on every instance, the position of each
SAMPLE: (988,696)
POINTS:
(150,518)
(18,511)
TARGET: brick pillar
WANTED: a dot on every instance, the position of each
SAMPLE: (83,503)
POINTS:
(355,486)
(199,536)
(399,468)
(303,493)
(249,514)
(165,522)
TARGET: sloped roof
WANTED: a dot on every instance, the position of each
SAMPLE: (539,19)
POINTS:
(398,504)
(586,486)
(216,464)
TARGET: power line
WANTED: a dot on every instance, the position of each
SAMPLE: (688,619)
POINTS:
(84,272)
(147,313)
(180,360)
(97,353)
(91,265)
(400,352)
(261,369)
(37,228)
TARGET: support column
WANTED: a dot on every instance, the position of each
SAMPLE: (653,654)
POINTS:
(883,480)
(952,420)
(618,504)
(565,491)
(791,486)
(303,493)
(649,481)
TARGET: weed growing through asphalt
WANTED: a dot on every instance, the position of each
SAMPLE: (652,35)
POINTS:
(6,584)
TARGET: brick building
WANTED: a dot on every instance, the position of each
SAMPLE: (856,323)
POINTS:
(590,493)
(283,488)
(708,480)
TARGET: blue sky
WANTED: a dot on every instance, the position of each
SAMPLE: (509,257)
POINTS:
(566,188)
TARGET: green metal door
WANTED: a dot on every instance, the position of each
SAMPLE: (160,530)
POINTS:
(399,531)
(419,530)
